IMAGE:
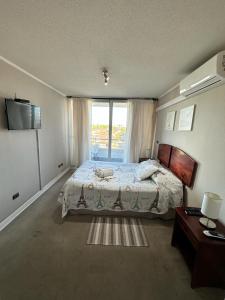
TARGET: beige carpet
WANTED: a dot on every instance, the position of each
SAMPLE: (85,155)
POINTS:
(43,258)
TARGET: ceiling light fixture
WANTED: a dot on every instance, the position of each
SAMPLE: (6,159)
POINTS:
(106,76)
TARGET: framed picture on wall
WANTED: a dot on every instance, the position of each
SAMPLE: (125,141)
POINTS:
(186,118)
(170,120)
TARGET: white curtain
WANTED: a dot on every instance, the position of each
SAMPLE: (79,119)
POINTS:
(79,110)
(140,127)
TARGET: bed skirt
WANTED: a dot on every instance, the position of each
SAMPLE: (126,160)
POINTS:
(167,216)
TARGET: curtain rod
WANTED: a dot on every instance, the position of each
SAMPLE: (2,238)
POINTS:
(114,98)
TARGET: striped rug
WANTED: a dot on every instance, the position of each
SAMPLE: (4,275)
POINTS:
(117,231)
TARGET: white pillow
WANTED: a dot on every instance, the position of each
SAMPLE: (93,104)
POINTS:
(144,171)
(145,162)
(165,177)
(149,162)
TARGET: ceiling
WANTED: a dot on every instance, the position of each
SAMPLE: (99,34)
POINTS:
(147,45)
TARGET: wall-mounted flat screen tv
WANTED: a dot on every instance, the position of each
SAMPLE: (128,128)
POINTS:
(22,115)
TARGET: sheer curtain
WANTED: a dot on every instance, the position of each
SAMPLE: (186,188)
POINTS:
(140,127)
(79,111)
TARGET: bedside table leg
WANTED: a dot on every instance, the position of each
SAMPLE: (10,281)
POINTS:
(175,236)
(199,270)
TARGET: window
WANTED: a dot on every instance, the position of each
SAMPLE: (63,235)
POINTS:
(108,130)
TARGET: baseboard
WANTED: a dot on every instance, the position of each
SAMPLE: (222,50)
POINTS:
(25,205)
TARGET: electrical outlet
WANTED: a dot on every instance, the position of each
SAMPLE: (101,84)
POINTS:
(15,196)
(60,165)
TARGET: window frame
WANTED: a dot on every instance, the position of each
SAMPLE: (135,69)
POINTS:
(110,102)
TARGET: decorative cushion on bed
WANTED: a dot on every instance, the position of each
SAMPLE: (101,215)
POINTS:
(144,171)
(103,172)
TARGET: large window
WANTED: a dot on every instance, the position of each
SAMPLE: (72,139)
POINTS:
(108,130)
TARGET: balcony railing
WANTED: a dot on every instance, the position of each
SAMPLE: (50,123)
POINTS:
(99,149)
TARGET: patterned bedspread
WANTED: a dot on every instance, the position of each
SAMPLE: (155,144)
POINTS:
(120,192)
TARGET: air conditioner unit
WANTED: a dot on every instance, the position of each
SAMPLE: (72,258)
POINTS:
(207,76)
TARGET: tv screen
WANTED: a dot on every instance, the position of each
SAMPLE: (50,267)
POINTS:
(22,116)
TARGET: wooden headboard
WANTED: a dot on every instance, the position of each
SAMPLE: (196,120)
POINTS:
(180,163)
(164,154)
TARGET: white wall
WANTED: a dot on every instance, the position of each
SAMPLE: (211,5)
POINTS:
(18,149)
(205,143)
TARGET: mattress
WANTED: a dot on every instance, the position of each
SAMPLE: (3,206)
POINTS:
(122,192)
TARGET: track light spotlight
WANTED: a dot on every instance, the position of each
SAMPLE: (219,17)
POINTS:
(106,76)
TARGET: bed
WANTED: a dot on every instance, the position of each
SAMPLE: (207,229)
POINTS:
(123,193)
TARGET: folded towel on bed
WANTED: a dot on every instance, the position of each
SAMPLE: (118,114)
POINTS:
(104,172)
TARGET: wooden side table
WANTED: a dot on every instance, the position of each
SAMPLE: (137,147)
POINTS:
(204,256)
